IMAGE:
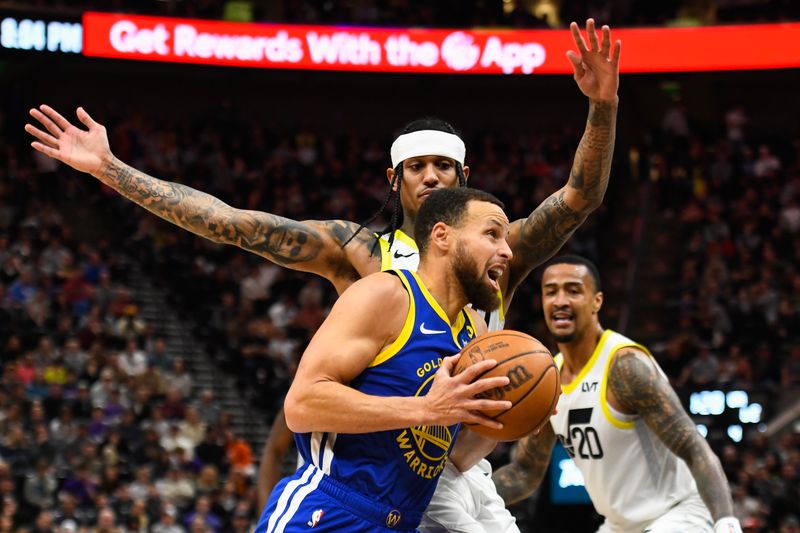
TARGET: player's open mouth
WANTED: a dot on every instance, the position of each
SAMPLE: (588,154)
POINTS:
(495,273)
(562,319)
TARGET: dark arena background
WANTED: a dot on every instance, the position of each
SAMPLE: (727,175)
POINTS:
(142,366)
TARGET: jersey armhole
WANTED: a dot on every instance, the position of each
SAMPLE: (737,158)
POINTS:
(607,409)
(405,333)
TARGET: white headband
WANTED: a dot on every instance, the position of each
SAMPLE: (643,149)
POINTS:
(427,142)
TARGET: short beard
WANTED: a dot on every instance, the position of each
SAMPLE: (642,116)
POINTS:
(480,295)
(565,339)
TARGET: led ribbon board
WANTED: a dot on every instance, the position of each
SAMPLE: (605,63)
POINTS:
(763,46)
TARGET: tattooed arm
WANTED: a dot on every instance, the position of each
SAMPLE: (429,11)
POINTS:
(312,246)
(639,388)
(518,479)
(536,238)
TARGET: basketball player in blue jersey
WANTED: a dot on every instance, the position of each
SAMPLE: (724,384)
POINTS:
(433,156)
(373,406)
(645,466)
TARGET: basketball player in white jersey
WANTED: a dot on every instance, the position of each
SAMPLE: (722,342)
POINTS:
(645,466)
(428,155)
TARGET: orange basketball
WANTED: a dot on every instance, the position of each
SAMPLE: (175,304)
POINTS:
(534,385)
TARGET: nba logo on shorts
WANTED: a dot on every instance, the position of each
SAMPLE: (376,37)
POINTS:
(393,518)
(316,516)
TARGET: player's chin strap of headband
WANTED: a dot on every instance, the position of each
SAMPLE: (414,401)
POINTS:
(728,524)
(427,142)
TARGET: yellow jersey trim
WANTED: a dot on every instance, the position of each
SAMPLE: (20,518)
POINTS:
(616,422)
(385,257)
(401,340)
(400,235)
(566,389)
(501,309)
(454,328)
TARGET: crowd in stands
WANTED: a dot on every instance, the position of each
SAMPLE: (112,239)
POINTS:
(102,429)
(733,201)
(454,13)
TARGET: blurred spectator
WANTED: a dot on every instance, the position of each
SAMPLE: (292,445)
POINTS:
(202,512)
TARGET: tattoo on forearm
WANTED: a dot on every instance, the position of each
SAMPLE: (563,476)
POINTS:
(518,479)
(551,224)
(637,384)
(282,240)
(592,165)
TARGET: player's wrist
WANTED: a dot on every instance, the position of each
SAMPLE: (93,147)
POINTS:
(728,524)
(605,100)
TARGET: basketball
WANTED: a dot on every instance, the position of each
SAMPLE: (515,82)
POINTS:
(534,382)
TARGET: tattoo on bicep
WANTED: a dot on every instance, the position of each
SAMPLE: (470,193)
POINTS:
(547,229)
(637,384)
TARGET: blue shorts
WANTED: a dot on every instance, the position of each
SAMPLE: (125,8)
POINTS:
(309,499)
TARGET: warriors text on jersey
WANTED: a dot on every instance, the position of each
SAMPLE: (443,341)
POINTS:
(631,477)
(395,470)
(405,255)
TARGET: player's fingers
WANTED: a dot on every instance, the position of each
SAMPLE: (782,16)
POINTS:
(84,117)
(606,41)
(577,65)
(448,363)
(576,35)
(46,122)
(615,55)
(55,116)
(489,405)
(590,29)
(46,150)
(482,385)
(472,372)
(45,138)
(477,418)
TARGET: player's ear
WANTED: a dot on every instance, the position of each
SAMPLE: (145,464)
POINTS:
(466,173)
(598,302)
(440,235)
(390,177)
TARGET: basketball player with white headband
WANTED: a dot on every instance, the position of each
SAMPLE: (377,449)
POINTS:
(341,252)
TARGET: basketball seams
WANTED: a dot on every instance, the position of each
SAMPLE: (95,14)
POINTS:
(530,390)
(549,410)
(504,361)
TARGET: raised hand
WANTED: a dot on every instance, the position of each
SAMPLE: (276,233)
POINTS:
(82,150)
(451,399)
(595,71)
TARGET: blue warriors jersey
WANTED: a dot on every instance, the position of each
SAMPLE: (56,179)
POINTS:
(397,468)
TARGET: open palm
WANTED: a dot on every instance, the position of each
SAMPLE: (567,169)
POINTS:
(596,67)
(82,150)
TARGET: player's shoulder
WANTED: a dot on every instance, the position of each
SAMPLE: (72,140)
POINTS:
(478,321)
(382,288)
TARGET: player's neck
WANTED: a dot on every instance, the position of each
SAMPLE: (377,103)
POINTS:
(578,352)
(438,279)
(409,219)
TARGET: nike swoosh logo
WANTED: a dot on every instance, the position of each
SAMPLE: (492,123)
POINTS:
(426,331)
(398,255)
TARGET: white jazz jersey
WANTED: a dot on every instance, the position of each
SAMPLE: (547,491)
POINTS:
(631,477)
(404,255)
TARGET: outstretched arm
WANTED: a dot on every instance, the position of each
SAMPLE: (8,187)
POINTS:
(518,479)
(640,388)
(313,246)
(536,238)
